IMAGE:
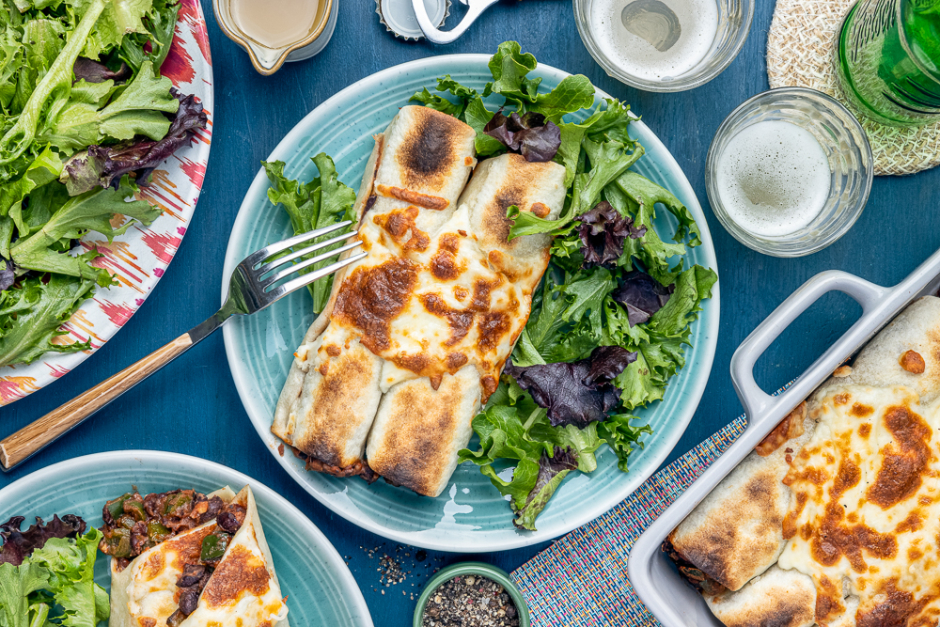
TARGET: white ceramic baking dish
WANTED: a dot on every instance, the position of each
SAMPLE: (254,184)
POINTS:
(656,581)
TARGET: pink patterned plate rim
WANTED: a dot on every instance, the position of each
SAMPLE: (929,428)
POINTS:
(139,257)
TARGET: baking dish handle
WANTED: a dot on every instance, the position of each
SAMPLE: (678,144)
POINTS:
(758,403)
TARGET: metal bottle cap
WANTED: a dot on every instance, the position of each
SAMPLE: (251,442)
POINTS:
(398,16)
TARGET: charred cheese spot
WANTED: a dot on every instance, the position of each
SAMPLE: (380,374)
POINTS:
(333,350)
(828,599)
(444,266)
(913,362)
(240,572)
(789,428)
(489,384)
(406,195)
(481,294)
(913,522)
(370,299)
(459,321)
(865,430)
(186,548)
(415,363)
(895,608)
(429,151)
(147,622)
(841,399)
(903,465)
(492,328)
(789,521)
(834,540)
(861,411)
(460,293)
(400,223)
(456,361)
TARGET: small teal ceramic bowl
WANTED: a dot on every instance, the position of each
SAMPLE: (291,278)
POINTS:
(480,569)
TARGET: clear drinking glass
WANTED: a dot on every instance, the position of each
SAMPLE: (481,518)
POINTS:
(734,23)
(847,150)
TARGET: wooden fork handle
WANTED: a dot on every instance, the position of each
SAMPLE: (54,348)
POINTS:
(36,436)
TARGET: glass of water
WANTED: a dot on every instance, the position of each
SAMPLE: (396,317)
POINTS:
(788,172)
(664,45)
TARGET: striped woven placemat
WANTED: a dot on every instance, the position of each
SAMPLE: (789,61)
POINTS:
(581,580)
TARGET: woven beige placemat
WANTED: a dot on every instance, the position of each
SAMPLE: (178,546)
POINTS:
(799,53)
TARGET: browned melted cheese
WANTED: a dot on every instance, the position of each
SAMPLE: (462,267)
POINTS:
(789,428)
(864,519)
(185,548)
(431,309)
(371,297)
(241,572)
(423,200)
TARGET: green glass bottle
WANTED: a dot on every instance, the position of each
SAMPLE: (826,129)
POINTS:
(888,60)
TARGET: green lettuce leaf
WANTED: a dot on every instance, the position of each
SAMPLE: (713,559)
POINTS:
(91,211)
(30,317)
(119,18)
(71,564)
(138,110)
(608,160)
(310,206)
(17,585)
(52,92)
(44,169)
(160,24)
(661,355)
(622,437)
(513,427)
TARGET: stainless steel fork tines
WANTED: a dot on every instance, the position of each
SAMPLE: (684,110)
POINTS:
(256,283)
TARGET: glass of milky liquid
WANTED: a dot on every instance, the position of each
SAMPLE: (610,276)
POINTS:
(789,172)
(664,45)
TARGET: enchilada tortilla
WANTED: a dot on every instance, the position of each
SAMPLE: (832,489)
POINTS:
(863,517)
(145,592)
(736,533)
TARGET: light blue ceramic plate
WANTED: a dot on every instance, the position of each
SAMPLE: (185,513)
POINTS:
(318,584)
(470,516)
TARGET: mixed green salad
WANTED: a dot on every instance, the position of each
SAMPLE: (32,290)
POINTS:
(612,314)
(84,119)
(47,574)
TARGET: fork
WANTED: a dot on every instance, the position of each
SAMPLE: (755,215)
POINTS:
(252,288)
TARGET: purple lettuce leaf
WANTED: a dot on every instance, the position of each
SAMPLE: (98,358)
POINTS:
(95,72)
(529,135)
(579,392)
(7,275)
(17,545)
(603,231)
(641,295)
(103,166)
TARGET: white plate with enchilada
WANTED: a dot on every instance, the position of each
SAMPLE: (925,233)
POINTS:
(172,540)
(508,208)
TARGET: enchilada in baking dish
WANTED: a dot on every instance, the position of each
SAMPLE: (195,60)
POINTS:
(840,528)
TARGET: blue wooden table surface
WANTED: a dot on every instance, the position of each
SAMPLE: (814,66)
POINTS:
(191,407)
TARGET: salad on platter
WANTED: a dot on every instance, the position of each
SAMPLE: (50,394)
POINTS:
(85,117)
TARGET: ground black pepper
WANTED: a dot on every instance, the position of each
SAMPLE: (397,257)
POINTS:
(470,601)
